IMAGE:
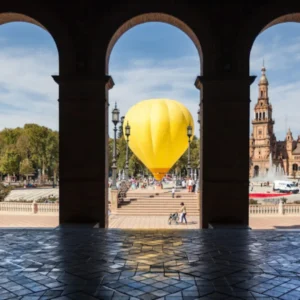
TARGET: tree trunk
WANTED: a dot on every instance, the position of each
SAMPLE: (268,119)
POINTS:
(43,171)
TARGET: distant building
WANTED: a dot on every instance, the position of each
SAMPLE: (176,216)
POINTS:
(285,154)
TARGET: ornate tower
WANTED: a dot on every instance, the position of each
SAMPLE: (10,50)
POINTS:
(263,140)
(289,143)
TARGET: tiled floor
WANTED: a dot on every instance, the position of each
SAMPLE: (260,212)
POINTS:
(92,264)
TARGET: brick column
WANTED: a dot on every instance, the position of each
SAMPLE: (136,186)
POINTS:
(83,133)
(224,172)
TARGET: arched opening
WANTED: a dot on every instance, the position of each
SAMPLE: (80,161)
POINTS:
(143,70)
(256,171)
(29,157)
(274,58)
(153,17)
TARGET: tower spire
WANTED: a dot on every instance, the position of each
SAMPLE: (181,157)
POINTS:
(263,81)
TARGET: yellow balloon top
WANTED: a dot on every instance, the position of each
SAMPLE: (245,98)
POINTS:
(158,133)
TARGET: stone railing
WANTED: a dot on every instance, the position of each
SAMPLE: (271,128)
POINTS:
(291,209)
(33,208)
(15,207)
(53,208)
(275,209)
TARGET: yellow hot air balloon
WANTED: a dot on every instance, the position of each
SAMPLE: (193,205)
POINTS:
(158,133)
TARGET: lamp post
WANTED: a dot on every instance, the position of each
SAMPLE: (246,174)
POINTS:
(115,120)
(189,134)
(127,133)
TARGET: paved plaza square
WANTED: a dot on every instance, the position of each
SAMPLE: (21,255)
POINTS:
(144,222)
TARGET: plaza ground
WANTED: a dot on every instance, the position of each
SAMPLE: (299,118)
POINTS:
(145,222)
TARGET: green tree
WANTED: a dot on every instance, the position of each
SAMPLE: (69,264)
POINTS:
(121,150)
(10,136)
(10,162)
(180,167)
(135,166)
(23,146)
(26,167)
(43,146)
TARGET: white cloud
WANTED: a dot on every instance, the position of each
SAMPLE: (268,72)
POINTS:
(28,93)
(147,79)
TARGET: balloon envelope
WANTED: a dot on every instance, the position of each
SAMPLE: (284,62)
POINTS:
(158,133)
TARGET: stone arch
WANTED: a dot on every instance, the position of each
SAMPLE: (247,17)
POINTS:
(294,17)
(285,18)
(9,17)
(152,17)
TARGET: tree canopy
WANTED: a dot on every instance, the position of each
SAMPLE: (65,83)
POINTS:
(24,151)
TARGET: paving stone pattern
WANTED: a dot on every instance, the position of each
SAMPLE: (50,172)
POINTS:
(81,263)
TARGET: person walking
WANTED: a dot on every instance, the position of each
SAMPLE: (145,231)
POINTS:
(190,185)
(182,212)
(173,191)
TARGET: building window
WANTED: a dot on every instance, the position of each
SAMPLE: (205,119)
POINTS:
(259,132)
(264,115)
(261,93)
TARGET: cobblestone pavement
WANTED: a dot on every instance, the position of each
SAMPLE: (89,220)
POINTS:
(145,222)
(92,264)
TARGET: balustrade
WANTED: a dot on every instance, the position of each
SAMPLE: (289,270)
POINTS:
(21,207)
(45,208)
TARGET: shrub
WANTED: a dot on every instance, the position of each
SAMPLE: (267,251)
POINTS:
(252,202)
(283,200)
(4,191)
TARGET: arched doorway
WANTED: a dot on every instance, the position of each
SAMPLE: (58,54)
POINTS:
(28,108)
(256,171)
(147,18)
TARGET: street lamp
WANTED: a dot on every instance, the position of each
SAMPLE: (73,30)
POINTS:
(115,120)
(189,134)
(127,133)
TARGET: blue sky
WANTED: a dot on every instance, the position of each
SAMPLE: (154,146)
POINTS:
(153,60)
